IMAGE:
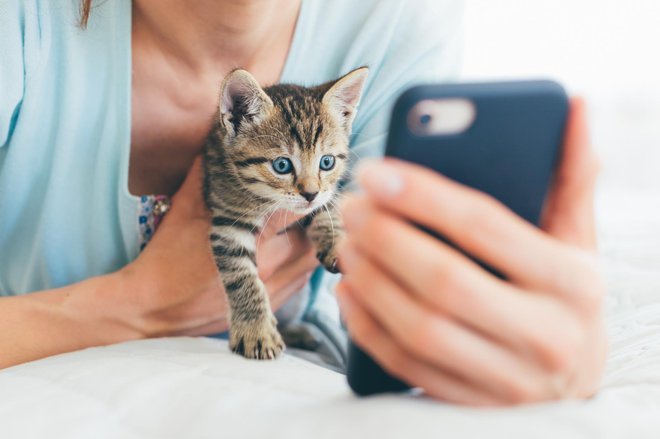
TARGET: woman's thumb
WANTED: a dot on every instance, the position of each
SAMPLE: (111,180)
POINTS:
(188,200)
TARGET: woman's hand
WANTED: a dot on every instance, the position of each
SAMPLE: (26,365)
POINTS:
(174,285)
(437,320)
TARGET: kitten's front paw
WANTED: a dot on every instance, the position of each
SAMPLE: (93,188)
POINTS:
(256,339)
(329,261)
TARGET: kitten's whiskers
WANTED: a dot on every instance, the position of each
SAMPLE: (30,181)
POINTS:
(276,206)
(247,213)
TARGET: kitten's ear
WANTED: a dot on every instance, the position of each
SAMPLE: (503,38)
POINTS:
(343,97)
(242,100)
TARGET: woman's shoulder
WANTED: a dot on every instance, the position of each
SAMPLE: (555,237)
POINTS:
(42,39)
(382,22)
(336,36)
(12,41)
(29,28)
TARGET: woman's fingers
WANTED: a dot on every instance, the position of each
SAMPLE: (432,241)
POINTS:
(279,250)
(438,340)
(280,243)
(280,297)
(569,213)
(277,223)
(374,340)
(188,202)
(443,279)
(291,277)
(477,223)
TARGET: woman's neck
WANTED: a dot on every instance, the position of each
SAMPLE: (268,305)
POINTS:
(181,51)
(203,34)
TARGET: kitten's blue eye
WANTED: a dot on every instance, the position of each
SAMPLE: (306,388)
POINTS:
(327,162)
(282,165)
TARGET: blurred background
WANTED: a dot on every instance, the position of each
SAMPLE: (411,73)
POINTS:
(605,50)
(609,52)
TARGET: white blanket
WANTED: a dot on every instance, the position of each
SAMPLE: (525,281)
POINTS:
(193,388)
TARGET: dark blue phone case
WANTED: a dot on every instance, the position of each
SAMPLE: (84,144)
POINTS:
(509,152)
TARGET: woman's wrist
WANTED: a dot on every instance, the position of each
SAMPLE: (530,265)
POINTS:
(148,301)
(83,315)
(130,296)
(113,318)
(98,307)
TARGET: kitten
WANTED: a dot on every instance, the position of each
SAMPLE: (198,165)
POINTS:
(280,147)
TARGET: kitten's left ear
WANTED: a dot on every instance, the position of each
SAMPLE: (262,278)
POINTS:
(343,97)
(242,100)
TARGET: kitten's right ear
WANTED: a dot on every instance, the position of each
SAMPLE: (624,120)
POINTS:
(242,100)
(343,97)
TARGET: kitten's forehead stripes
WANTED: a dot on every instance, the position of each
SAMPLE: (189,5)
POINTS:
(319,129)
(300,108)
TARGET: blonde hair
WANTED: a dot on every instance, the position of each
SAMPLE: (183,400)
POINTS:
(85,7)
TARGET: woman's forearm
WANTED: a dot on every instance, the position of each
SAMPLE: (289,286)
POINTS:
(62,320)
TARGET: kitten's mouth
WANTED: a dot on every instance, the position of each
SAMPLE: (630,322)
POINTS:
(305,207)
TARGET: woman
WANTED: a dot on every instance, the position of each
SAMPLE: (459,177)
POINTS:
(93,120)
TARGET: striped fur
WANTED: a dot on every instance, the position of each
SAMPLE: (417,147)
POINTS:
(253,127)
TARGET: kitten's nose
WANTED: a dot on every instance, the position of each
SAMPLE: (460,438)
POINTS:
(309,196)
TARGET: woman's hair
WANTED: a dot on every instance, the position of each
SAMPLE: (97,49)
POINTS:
(85,6)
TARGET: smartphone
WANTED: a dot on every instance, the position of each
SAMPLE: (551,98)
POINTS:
(501,138)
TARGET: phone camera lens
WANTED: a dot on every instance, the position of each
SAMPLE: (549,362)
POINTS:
(425,119)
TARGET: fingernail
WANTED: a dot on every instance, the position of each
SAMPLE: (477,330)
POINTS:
(380,179)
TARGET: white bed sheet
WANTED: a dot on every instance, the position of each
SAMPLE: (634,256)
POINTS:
(193,388)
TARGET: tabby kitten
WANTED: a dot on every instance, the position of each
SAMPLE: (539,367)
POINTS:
(280,147)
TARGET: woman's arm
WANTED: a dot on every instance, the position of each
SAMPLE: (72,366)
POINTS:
(437,320)
(62,320)
(172,288)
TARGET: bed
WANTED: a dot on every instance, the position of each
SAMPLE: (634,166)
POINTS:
(193,388)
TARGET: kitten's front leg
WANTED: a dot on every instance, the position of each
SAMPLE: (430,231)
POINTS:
(253,331)
(326,232)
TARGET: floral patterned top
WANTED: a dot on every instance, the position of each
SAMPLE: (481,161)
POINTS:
(152,209)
